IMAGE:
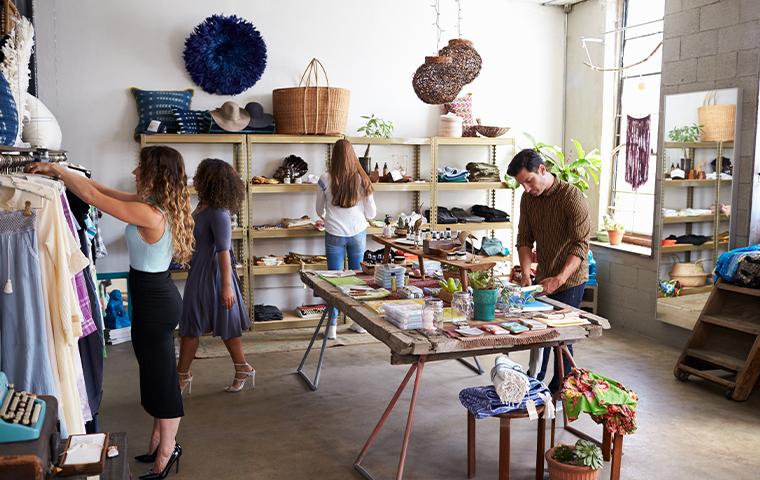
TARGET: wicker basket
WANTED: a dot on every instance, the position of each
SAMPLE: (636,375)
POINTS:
(717,122)
(311,109)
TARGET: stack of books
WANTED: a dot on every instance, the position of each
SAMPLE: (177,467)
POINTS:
(384,272)
(561,318)
(118,335)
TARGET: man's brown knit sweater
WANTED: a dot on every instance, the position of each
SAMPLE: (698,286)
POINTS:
(558,222)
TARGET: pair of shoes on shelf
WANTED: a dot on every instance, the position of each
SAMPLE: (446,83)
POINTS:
(173,458)
(243,371)
(357,328)
(185,382)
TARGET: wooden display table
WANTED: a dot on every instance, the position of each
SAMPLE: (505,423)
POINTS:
(478,265)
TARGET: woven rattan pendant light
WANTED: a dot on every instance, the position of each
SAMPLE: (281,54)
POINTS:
(465,58)
(436,81)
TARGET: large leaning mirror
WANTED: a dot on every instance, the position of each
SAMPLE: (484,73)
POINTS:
(696,191)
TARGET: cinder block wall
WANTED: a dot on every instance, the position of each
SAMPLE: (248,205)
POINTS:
(709,44)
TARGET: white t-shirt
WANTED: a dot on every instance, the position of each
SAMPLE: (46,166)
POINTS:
(339,221)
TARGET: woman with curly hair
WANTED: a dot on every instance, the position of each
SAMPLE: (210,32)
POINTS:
(213,302)
(159,229)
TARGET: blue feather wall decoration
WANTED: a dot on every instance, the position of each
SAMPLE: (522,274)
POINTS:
(225,55)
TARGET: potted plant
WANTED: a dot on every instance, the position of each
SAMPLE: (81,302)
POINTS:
(449,288)
(580,172)
(615,230)
(484,293)
(685,134)
(581,461)
(375,127)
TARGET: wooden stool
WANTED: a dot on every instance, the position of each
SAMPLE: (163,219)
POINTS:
(504,433)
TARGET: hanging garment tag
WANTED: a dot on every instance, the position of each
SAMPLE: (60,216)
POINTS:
(153,126)
(549,411)
(8,287)
(530,406)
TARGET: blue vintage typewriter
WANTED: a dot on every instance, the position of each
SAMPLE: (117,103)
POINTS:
(21,413)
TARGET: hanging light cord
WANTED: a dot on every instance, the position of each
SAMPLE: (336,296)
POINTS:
(459,18)
(437,7)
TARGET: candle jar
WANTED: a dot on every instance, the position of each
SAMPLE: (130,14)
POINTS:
(432,315)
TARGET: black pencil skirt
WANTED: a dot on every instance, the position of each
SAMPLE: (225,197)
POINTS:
(156,310)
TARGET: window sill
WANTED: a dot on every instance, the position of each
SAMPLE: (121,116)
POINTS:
(624,247)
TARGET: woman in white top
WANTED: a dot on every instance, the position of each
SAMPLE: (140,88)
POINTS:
(345,203)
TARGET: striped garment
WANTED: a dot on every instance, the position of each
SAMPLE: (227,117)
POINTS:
(558,222)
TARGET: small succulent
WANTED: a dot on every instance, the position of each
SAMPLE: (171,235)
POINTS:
(588,454)
(564,454)
(482,280)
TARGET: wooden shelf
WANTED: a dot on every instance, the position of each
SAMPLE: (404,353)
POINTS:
(389,141)
(692,183)
(475,226)
(471,186)
(474,141)
(289,320)
(182,274)
(690,248)
(296,232)
(755,292)
(733,322)
(726,361)
(285,269)
(699,145)
(274,138)
(693,219)
(237,233)
(193,138)
(403,187)
(283,188)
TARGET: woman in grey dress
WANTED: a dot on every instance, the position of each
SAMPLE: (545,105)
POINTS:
(212,301)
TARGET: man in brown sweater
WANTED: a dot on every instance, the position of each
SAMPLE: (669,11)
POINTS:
(553,216)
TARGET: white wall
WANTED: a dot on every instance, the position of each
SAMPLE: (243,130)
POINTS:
(90,52)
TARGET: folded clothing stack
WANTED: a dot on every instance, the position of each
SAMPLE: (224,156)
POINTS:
(404,315)
(445,216)
(264,313)
(463,217)
(451,174)
(383,274)
(483,172)
(490,214)
(689,239)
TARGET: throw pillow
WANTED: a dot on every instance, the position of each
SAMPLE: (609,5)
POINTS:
(192,121)
(462,106)
(158,105)
(8,114)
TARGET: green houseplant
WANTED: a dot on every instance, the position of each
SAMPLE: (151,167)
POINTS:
(685,134)
(614,229)
(374,127)
(579,172)
(485,293)
(582,461)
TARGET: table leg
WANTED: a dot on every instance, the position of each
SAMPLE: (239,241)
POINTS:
(417,367)
(617,453)
(471,455)
(464,279)
(606,444)
(387,254)
(535,356)
(504,440)
(421,261)
(475,368)
(541,446)
(315,384)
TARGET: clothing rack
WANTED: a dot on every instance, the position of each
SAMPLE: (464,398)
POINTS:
(16,159)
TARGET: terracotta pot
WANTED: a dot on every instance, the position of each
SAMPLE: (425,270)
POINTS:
(445,295)
(616,236)
(563,471)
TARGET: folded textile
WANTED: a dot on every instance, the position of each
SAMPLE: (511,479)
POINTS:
(296,222)
(728,262)
(510,382)
(689,239)
(451,174)
(483,172)
(490,214)
(463,217)
(607,401)
(748,273)
(444,216)
(484,402)
(265,313)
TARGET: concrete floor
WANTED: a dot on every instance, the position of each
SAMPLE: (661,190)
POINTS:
(282,431)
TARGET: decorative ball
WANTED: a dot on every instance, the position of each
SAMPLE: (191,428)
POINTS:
(465,58)
(40,128)
(225,55)
(436,81)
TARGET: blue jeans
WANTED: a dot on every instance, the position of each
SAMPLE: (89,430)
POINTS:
(573,297)
(336,249)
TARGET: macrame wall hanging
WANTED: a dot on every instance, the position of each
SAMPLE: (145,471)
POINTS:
(637,151)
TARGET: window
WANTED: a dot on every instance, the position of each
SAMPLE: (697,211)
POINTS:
(638,95)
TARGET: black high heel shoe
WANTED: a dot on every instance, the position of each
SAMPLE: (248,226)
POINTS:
(173,458)
(147,457)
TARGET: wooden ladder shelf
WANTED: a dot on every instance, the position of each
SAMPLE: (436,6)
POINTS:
(725,340)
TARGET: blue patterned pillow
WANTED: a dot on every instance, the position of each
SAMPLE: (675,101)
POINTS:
(192,121)
(8,114)
(158,105)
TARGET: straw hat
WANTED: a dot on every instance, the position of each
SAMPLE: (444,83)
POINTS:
(231,117)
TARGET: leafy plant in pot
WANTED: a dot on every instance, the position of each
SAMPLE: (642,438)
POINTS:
(485,293)
(614,229)
(375,127)
(581,461)
(685,134)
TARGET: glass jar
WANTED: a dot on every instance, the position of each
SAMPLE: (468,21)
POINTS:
(432,315)
(461,308)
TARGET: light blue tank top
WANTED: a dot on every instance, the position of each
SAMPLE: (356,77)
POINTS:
(149,257)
